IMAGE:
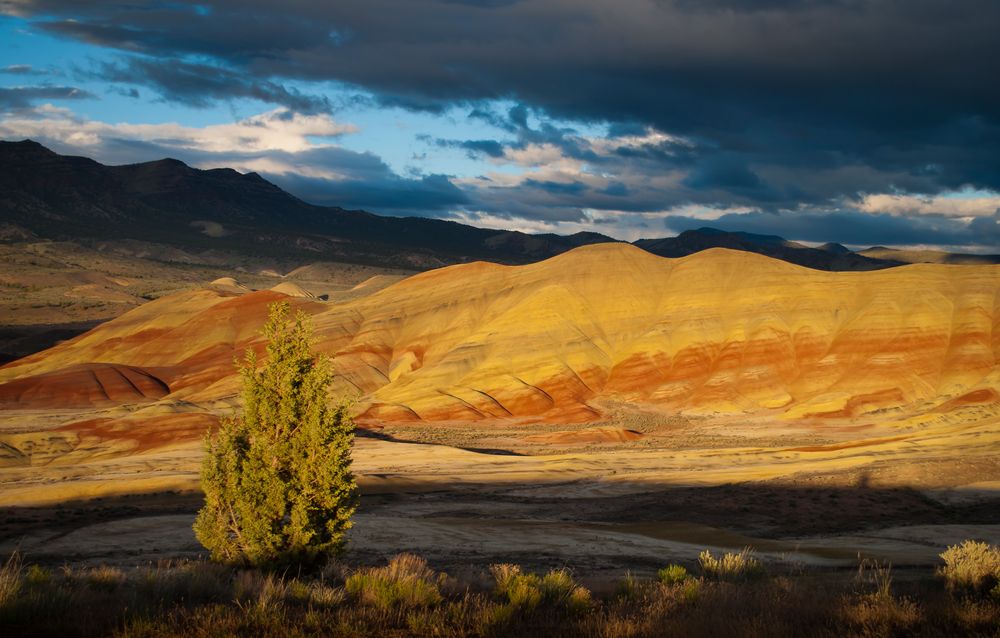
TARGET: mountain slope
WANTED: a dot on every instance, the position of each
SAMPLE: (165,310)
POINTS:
(61,197)
(558,340)
(928,256)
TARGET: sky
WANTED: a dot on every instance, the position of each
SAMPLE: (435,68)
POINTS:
(864,122)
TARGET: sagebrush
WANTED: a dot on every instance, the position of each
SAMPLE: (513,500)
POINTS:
(972,566)
(741,565)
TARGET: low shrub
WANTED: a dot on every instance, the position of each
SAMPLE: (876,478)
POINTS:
(105,577)
(560,590)
(36,576)
(526,591)
(875,610)
(629,588)
(179,599)
(731,567)
(972,566)
(515,588)
(673,574)
(877,615)
(874,578)
(405,582)
(322,595)
(690,590)
(258,593)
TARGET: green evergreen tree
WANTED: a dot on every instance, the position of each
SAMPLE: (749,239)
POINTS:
(277,478)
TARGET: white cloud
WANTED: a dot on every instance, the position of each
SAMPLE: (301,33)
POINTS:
(964,204)
(652,137)
(277,130)
(620,224)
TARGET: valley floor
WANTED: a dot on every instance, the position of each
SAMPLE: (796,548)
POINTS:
(801,494)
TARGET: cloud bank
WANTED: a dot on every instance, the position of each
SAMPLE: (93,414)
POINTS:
(799,116)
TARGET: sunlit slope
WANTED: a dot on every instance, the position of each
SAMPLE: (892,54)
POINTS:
(716,331)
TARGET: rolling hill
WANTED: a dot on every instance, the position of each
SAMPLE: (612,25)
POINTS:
(556,341)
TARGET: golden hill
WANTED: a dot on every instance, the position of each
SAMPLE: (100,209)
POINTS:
(716,331)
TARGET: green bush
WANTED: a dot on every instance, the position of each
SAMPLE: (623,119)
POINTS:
(971,566)
(405,582)
(673,574)
(525,591)
(36,576)
(690,590)
(520,590)
(277,479)
(629,588)
(740,566)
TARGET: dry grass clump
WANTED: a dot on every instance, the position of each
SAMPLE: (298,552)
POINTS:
(973,567)
(36,576)
(673,574)
(10,579)
(525,591)
(630,588)
(875,610)
(731,567)
(407,598)
(105,577)
(405,582)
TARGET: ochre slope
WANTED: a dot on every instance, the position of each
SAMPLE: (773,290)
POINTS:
(716,331)
(83,386)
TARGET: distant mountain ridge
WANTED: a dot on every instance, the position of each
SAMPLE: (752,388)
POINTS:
(830,256)
(166,201)
(47,195)
(929,256)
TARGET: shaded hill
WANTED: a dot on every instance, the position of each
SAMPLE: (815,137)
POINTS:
(830,256)
(53,196)
(928,256)
(561,340)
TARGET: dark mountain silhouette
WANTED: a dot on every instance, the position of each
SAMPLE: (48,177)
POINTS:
(825,257)
(221,211)
(168,202)
(929,256)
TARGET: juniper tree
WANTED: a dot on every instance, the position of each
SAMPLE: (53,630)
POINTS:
(277,478)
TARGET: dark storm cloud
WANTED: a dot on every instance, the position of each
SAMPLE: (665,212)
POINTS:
(389,194)
(201,85)
(22,97)
(787,104)
(986,230)
(474,148)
